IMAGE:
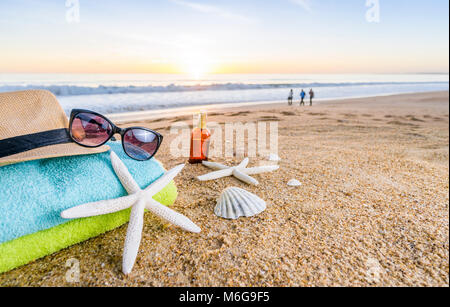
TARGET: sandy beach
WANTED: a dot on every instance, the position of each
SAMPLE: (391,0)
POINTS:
(373,208)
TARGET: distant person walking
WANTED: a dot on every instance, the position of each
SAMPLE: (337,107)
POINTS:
(290,97)
(311,96)
(302,97)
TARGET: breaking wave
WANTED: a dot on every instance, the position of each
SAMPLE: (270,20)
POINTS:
(73,90)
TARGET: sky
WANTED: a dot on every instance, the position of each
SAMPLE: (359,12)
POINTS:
(224,36)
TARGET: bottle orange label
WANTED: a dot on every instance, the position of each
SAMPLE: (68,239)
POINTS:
(200,139)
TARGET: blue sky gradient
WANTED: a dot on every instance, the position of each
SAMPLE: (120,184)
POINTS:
(247,36)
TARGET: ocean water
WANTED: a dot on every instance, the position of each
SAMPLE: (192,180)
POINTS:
(115,93)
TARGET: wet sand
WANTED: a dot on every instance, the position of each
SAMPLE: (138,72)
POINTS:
(373,208)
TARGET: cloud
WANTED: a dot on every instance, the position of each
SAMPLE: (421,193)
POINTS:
(211,9)
(306,4)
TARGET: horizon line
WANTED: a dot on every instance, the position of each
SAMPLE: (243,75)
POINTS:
(236,73)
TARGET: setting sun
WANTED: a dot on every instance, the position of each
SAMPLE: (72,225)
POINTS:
(196,65)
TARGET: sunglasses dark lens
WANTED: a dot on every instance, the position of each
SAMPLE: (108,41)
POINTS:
(140,144)
(90,129)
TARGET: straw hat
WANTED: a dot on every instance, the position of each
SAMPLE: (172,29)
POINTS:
(34,126)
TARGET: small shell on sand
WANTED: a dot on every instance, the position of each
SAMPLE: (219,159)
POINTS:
(273,157)
(294,183)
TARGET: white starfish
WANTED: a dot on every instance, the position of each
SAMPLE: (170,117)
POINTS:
(139,200)
(241,171)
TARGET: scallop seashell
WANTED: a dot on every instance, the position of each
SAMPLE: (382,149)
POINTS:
(235,202)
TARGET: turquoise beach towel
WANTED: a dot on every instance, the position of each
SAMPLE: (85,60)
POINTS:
(33,194)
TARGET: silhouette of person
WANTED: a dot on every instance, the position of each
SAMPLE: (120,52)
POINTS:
(302,97)
(311,96)
(290,97)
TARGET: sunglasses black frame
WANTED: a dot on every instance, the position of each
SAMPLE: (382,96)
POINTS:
(115,130)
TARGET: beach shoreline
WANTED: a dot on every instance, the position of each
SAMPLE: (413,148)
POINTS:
(126,117)
(372,210)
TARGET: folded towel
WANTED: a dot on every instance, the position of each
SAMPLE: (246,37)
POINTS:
(34,193)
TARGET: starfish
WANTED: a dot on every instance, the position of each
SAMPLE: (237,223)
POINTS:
(139,200)
(240,171)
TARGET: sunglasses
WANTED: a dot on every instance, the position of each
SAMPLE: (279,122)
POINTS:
(90,129)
